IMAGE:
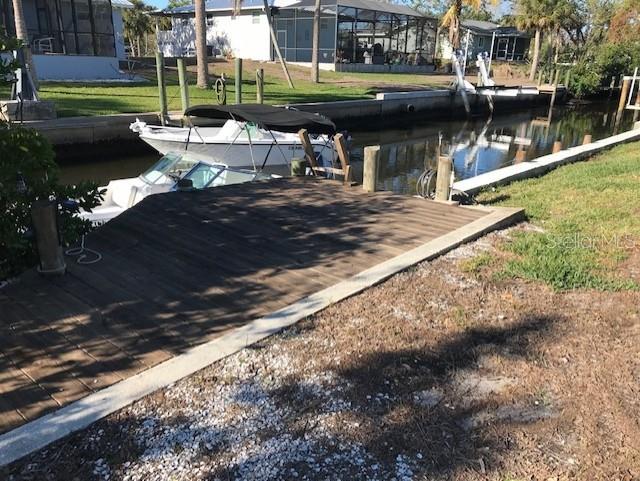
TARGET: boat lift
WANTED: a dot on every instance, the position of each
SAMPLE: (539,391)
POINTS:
(635,78)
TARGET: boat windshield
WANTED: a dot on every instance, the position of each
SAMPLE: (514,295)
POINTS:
(168,169)
(208,175)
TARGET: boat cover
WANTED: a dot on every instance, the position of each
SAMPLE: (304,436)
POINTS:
(281,119)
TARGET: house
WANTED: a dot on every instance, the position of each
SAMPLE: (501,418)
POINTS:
(355,35)
(72,39)
(506,43)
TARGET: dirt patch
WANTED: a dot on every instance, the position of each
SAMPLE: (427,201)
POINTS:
(442,372)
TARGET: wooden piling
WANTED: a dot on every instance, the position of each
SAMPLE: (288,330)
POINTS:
(238,80)
(370,169)
(343,154)
(624,93)
(554,93)
(521,156)
(443,178)
(162,86)
(557,146)
(184,83)
(260,85)
(587,139)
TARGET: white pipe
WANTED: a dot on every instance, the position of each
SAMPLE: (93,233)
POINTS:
(493,40)
(466,52)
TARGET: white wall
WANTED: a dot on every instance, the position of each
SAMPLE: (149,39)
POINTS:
(76,67)
(118,29)
(247,36)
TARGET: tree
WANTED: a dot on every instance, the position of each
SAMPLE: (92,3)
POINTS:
(625,23)
(544,16)
(22,34)
(28,172)
(201,44)
(454,13)
(137,23)
(315,70)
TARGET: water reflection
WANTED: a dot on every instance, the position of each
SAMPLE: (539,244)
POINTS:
(482,145)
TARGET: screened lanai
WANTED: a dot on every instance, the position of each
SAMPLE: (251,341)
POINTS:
(70,27)
(357,32)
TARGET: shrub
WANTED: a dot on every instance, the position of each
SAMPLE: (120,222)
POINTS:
(586,79)
(27,156)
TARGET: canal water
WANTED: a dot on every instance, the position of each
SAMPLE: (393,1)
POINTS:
(477,146)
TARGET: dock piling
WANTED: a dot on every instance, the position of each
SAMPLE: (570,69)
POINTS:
(260,85)
(370,170)
(162,86)
(184,83)
(624,93)
(443,178)
(557,146)
(238,80)
(587,139)
(343,155)
(44,215)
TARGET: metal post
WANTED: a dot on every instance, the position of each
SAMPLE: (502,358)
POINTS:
(184,83)
(493,39)
(162,86)
(466,52)
(238,80)
(260,85)
(370,169)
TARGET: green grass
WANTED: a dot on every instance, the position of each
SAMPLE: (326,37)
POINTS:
(590,218)
(85,99)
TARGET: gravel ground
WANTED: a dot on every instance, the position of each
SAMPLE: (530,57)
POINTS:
(443,372)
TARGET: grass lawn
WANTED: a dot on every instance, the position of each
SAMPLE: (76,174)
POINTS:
(588,215)
(73,99)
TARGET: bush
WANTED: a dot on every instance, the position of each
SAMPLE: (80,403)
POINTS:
(27,155)
(586,79)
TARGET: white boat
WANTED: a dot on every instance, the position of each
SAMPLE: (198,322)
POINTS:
(173,171)
(253,135)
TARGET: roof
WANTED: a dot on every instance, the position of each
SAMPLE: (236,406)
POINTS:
(121,4)
(488,28)
(280,119)
(221,5)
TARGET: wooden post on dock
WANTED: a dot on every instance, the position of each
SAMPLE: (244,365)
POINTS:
(624,93)
(260,85)
(343,155)
(557,146)
(162,86)
(309,154)
(443,178)
(370,169)
(636,112)
(238,80)
(184,83)
(587,139)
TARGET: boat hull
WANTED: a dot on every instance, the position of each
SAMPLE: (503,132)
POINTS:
(234,155)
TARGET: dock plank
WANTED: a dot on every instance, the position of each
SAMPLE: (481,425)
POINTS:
(179,269)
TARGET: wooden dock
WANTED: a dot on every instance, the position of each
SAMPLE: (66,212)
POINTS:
(182,268)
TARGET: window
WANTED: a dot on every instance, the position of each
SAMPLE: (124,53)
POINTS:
(324,24)
(256,17)
(480,41)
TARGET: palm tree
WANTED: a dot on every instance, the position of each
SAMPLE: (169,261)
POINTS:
(544,16)
(451,18)
(22,34)
(315,71)
(201,44)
